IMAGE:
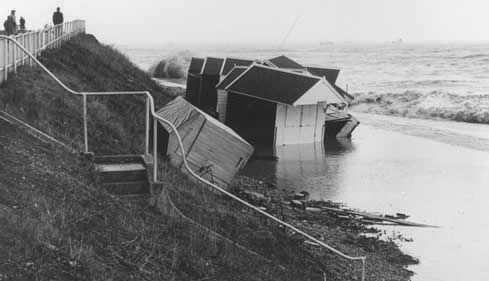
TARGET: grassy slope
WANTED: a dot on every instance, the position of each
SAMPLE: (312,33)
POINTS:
(116,124)
(66,226)
(57,225)
(75,223)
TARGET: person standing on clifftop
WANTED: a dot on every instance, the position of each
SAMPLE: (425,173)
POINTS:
(22,24)
(13,22)
(57,17)
(7,26)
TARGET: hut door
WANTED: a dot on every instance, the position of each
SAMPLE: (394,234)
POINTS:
(297,124)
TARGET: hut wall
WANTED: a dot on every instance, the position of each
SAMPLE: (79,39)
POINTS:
(193,88)
(208,94)
(222,100)
(252,118)
(299,124)
(207,145)
(212,149)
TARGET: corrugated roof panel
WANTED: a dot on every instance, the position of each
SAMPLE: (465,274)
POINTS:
(330,74)
(273,84)
(232,62)
(235,72)
(196,65)
(212,66)
(285,62)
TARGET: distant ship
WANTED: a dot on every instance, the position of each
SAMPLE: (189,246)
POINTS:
(398,41)
(326,43)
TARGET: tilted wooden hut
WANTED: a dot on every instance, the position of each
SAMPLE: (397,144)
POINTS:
(212,149)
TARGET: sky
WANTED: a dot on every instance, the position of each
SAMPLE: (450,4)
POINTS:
(266,21)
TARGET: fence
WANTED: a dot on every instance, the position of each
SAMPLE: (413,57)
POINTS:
(11,56)
(151,112)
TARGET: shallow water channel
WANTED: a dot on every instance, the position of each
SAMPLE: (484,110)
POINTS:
(435,171)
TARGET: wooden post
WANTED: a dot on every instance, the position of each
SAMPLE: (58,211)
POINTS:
(155,150)
(146,144)
(85,125)
(24,45)
(3,57)
(5,60)
(31,47)
(14,56)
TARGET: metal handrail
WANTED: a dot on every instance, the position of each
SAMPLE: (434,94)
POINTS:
(151,108)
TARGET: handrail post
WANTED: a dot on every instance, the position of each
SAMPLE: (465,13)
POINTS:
(146,143)
(363,269)
(85,125)
(31,44)
(155,150)
(14,55)
(5,60)
(22,60)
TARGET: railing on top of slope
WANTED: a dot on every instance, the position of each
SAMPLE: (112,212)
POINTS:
(35,42)
(150,110)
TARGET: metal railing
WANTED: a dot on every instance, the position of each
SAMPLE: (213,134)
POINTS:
(150,110)
(35,42)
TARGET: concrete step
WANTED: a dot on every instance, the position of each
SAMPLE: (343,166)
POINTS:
(118,159)
(125,172)
(127,187)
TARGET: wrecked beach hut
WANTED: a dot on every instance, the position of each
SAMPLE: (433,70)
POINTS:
(230,63)
(204,75)
(213,150)
(284,62)
(271,106)
(331,75)
(210,76)
(193,79)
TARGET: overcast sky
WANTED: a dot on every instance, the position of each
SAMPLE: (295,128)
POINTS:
(266,21)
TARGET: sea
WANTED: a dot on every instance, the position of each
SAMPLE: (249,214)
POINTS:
(436,171)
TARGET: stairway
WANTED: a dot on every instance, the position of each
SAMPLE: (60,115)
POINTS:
(123,175)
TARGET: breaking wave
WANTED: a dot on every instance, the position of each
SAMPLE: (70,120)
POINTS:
(432,105)
(174,67)
(475,56)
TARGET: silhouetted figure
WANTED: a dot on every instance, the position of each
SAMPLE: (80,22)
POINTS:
(7,26)
(57,17)
(22,24)
(13,22)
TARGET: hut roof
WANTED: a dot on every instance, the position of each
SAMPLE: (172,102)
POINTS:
(196,65)
(229,63)
(330,74)
(345,94)
(285,62)
(231,76)
(284,87)
(212,66)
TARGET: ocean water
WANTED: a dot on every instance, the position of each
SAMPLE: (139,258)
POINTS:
(435,171)
(380,68)
(441,81)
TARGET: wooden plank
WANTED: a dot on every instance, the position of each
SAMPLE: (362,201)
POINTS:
(380,218)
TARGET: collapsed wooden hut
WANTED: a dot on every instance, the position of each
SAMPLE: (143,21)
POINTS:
(213,150)
(271,106)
